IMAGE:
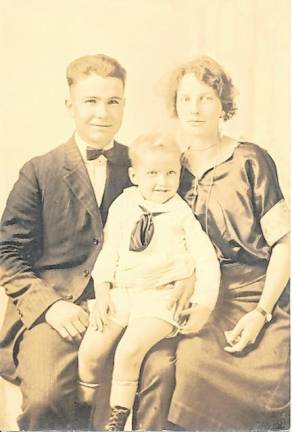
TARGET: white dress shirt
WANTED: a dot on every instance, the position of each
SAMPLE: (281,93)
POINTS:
(96,168)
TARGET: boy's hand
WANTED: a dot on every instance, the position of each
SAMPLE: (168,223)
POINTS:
(196,317)
(102,307)
(245,332)
(180,297)
(68,319)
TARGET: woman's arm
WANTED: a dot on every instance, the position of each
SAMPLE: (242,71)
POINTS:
(249,326)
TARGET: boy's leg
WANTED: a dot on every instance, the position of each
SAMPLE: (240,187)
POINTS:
(140,336)
(94,358)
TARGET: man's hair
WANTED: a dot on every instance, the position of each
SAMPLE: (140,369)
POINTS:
(150,143)
(211,73)
(98,64)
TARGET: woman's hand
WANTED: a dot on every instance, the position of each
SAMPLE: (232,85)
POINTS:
(245,332)
(102,307)
(195,318)
(181,294)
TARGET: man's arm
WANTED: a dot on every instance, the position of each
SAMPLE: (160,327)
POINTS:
(20,243)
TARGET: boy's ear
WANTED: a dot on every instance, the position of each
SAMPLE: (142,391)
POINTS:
(132,175)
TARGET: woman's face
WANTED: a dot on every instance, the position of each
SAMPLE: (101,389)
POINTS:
(198,107)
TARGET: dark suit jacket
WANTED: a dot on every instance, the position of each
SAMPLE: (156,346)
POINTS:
(50,235)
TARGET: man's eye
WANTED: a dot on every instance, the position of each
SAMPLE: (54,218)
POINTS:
(113,102)
(90,101)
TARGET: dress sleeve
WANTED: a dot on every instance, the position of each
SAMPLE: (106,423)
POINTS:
(269,204)
(207,267)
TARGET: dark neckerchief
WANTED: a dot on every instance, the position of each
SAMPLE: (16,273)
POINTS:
(143,232)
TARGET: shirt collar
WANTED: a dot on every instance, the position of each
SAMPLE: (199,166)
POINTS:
(82,145)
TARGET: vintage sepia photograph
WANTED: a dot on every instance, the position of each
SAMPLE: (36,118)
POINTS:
(144,205)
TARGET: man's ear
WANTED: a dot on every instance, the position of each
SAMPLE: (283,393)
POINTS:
(68,105)
(132,175)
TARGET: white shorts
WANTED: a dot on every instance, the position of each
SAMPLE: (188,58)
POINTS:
(131,304)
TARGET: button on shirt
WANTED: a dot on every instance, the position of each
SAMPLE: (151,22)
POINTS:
(96,168)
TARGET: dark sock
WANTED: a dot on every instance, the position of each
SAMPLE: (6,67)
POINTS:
(82,416)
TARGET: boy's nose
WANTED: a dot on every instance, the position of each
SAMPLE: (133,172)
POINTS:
(161,180)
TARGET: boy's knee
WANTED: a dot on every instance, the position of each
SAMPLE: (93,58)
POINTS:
(127,354)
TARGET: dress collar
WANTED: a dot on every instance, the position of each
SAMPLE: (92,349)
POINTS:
(224,153)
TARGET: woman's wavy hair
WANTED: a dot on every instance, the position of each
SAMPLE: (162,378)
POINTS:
(211,73)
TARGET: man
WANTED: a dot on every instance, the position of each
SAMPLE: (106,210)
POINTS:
(51,234)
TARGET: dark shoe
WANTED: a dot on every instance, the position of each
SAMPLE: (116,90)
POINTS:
(117,419)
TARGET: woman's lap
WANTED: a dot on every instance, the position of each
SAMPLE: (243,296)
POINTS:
(216,389)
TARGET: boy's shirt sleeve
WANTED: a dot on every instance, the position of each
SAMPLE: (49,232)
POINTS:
(207,268)
(107,260)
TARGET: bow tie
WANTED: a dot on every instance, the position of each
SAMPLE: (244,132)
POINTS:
(143,232)
(93,153)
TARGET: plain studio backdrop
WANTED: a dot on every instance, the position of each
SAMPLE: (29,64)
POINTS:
(250,38)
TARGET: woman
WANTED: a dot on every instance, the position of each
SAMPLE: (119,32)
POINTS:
(234,372)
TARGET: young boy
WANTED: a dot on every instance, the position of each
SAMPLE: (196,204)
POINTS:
(151,240)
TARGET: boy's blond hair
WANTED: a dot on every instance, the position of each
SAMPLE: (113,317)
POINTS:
(153,142)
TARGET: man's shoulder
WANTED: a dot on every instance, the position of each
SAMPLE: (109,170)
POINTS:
(51,160)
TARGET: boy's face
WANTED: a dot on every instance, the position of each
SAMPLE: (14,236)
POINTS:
(157,175)
(96,104)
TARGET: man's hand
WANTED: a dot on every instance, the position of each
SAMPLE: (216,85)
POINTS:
(180,297)
(68,319)
(102,307)
(245,332)
(196,317)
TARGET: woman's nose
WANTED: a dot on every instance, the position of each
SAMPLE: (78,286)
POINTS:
(195,105)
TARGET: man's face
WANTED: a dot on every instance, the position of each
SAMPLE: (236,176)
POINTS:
(97,105)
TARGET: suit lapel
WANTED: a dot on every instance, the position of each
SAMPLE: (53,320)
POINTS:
(77,179)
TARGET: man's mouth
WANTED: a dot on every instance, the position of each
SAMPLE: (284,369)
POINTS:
(101,125)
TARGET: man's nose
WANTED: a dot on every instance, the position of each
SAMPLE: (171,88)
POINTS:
(101,109)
